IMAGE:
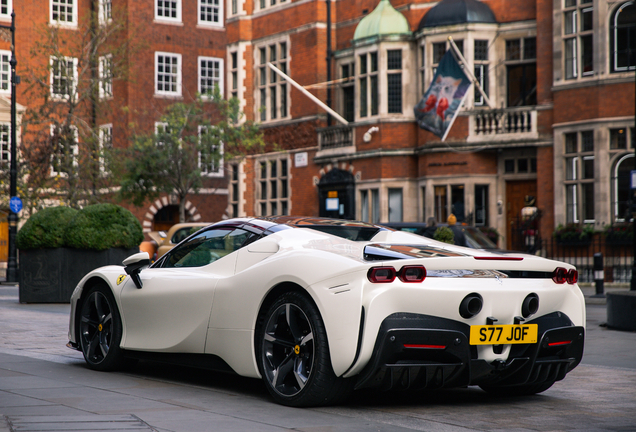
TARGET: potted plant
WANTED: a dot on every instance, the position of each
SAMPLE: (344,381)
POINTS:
(59,245)
(444,234)
(573,234)
(619,234)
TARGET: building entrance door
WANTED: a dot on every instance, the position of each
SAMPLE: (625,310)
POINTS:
(516,191)
(336,195)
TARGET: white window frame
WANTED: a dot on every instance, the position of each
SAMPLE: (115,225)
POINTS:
(5,145)
(204,4)
(219,77)
(6,5)
(75,154)
(268,4)
(62,96)
(168,20)
(273,198)
(179,74)
(614,36)
(105,11)
(273,82)
(73,22)
(5,71)
(105,137)
(219,169)
(106,76)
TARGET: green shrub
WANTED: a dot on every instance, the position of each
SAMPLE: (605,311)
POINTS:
(103,226)
(45,229)
(444,234)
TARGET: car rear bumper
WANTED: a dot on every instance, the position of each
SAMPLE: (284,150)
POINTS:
(421,351)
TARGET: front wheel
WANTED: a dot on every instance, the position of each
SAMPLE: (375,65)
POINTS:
(100,329)
(293,354)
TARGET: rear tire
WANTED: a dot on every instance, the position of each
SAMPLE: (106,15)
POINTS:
(100,329)
(293,357)
(520,390)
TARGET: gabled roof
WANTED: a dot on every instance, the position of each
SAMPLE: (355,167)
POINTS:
(449,12)
(384,20)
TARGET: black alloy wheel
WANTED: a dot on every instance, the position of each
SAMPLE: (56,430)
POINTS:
(293,354)
(100,329)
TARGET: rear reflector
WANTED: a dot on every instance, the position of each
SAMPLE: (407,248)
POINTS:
(497,258)
(381,274)
(425,346)
(553,344)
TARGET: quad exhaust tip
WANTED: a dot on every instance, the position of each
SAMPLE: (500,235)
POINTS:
(471,305)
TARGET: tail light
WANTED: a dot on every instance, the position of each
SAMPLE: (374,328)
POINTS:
(573,276)
(561,275)
(381,274)
(412,274)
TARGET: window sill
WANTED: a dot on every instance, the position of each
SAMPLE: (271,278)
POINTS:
(177,23)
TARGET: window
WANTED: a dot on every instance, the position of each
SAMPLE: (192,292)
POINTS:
(63,76)
(5,71)
(457,202)
(167,74)
(395,205)
(234,194)
(394,81)
(211,12)
(623,38)
(423,83)
(210,73)
(263,4)
(64,150)
(579,176)
(481,205)
(105,145)
(63,12)
(347,91)
(521,71)
(368,84)
(481,70)
(206,247)
(578,32)
(105,12)
(370,205)
(5,9)
(210,155)
(622,194)
(234,7)
(5,145)
(106,76)
(441,203)
(168,10)
(234,74)
(272,90)
(273,187)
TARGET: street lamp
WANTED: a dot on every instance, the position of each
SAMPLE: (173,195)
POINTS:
(8,33)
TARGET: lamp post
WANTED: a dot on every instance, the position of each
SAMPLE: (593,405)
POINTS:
(8,33)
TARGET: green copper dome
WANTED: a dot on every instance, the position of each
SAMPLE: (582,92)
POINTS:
(384,20)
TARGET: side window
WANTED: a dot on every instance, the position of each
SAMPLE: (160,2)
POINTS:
(206,247)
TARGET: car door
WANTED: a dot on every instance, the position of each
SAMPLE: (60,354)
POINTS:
(170,313)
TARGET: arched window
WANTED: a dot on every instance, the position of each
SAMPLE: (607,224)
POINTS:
(622,194)
(623,38)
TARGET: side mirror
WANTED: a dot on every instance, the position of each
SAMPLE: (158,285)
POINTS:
(133,265)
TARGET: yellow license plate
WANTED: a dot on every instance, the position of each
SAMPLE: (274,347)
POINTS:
(504,334)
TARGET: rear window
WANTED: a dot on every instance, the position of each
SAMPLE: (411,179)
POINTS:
(354,233)
(382,252)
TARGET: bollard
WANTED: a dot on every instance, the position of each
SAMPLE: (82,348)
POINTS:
(599,274)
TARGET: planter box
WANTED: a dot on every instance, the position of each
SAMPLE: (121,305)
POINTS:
(50,275)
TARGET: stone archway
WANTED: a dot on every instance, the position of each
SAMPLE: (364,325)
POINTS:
(192,213)
(336,194)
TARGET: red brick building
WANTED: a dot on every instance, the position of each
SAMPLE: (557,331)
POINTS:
(559,74)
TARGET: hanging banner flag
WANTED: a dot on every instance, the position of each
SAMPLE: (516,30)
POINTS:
(440,104)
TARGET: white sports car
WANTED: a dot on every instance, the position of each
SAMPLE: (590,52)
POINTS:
(319,307)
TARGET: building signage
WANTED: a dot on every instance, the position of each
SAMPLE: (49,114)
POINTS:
(301,159)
